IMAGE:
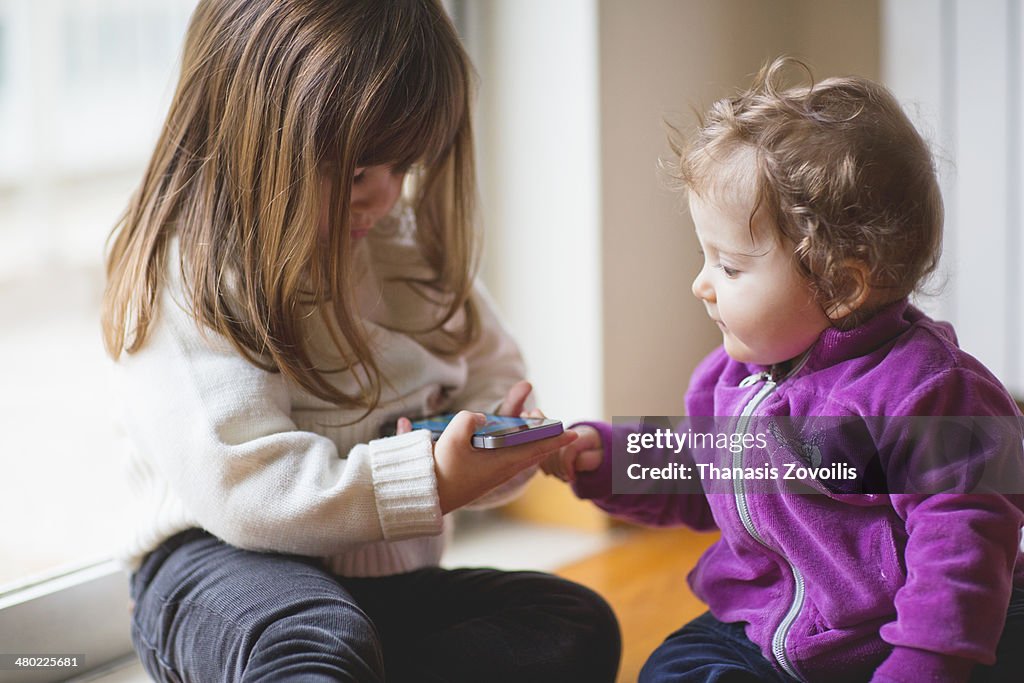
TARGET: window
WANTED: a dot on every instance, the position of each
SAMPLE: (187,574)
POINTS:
(84,86)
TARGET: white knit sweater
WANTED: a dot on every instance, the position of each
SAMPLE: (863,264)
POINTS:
(217,443)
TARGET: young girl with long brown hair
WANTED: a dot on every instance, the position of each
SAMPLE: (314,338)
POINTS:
(296,270)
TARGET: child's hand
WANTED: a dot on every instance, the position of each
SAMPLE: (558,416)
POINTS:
(582,455)
(465,473)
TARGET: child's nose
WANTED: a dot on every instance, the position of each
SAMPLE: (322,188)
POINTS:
(702,288)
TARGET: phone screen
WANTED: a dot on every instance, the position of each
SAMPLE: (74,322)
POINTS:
(497,432)
(496,425)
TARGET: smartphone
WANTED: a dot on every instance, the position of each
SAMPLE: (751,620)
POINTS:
(499,431)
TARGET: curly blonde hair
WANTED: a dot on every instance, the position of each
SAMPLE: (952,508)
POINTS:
(842,173)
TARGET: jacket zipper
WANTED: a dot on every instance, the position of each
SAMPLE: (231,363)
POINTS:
(782,631)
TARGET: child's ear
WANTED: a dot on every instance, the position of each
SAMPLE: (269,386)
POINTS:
(858,289)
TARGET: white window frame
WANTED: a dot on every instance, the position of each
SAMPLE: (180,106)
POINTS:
(959,67)
(82,612)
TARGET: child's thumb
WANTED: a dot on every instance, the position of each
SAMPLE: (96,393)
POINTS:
(404,426)
(462,426)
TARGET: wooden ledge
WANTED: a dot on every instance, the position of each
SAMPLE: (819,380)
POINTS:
(644,580)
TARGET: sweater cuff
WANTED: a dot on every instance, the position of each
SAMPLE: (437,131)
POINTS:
(597,483)
(910,665)
(405,485)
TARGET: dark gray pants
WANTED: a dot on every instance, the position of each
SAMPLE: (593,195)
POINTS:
(206,611)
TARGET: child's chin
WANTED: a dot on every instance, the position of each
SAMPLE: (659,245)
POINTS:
(738,355)
(742,354)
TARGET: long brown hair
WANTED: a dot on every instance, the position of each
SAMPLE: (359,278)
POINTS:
(271,93)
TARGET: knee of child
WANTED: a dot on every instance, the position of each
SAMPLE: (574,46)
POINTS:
(589,629)
(329,630)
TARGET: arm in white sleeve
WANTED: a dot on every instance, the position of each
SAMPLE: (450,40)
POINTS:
(219,432)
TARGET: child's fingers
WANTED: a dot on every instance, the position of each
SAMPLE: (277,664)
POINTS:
(549,465)
(535,452)
(515,399)
(404,426)
(559,464)
(588,461)
(590,438)
(462,426)
(567,464)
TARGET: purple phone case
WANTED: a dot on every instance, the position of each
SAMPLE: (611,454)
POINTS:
(518,437)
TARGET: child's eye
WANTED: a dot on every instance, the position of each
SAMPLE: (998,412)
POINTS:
(360,174)
(729,272)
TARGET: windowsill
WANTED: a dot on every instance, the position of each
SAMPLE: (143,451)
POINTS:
(128,670)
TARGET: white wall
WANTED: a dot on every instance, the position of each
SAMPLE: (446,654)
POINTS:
(663,57)
(539,174)
(959,66)
(590,257)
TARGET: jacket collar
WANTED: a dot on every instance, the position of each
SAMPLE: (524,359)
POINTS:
(835,345)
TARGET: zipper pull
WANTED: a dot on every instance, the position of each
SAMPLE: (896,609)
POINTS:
(755,378)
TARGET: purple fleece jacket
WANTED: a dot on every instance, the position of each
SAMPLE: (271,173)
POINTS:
(896,587)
